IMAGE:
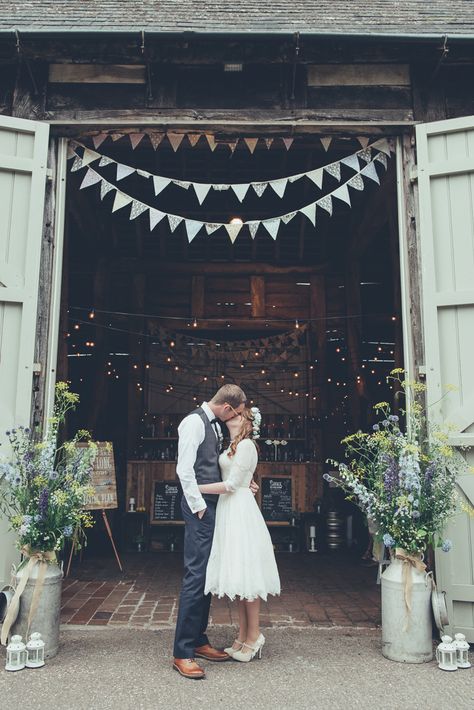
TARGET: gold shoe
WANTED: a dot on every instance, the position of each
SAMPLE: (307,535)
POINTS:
(256,650)
(230,651)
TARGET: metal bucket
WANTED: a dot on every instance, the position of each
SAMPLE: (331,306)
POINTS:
(6,595)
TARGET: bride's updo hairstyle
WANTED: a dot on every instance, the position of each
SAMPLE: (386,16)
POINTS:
(246,430)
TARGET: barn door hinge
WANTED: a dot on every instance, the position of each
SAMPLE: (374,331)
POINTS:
(36,368)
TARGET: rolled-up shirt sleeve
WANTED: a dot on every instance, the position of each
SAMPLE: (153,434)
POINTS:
(190,437)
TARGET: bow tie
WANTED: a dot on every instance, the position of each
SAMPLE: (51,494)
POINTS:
(214,421)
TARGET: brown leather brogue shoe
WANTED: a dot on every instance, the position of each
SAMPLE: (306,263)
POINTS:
(210,653)
(188,668)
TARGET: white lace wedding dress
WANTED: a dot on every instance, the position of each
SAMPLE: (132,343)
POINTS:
(242,562)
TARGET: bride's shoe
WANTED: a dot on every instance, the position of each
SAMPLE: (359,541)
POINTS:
(256,650)
(230,651)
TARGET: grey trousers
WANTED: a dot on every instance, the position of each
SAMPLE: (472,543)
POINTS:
(193,614)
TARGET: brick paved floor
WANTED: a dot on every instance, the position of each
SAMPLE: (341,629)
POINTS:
(317,590)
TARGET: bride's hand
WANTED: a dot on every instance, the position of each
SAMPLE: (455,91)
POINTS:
(253,487)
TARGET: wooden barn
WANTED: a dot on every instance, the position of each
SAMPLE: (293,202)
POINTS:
(269,194)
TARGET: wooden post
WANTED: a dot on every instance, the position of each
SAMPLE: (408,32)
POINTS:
(137,354)
(257,296)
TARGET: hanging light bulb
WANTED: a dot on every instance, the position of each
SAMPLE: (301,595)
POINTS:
(92,314)
(297,325)
(76,326)
(195,323)
(172,344)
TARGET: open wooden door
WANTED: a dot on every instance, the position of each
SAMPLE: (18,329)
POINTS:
(445,152)
(23,157)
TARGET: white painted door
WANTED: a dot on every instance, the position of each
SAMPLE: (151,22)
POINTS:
(23,156)
(445,153)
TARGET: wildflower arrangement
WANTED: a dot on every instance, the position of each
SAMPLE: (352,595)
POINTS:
(45,485)
(256,422)
(403,480)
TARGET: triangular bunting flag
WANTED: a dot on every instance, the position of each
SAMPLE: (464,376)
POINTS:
(212,227)
(382,158)
(155,139)
(121,200)
(212,141)
(241,190)
(201,190)
(143,173)
(192,228)
(135,139)
(105,187)
(116,136)
(105,161)
(123,171)
(363,140)
(193,138)
(316,176)
(77,164)
(137,209)
(288,217)
(382,145)
(99,139)
(159,183)
(233,230)
(175,139)
(279,186)
(342,193)
(310,212)
(272,225)
(294,178)
(253,226)
(182,183)
(326,203)
(326,142)
(155,217)
(90,178)
(89,156)
(251,143)
(288,142)
(174,220)
(232,145)
(365,154)
(71,153)
(268,142)
(356,182)
(220,187)
(259,187)
(370,172)
(334,169)
(351,161)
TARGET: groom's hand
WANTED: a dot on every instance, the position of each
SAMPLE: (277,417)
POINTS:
(200,513)
(253,487)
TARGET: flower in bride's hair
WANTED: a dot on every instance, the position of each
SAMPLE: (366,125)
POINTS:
(256,422)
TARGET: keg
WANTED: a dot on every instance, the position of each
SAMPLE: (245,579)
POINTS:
(334,526)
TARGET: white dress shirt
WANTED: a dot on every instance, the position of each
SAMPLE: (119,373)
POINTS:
(191,433)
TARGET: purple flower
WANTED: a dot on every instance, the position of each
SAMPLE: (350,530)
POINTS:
(385,422)
(393,418)
(429,473)
(43,503)
(388,540)
(376,427)
(447,545)
(67,531)
(390,478)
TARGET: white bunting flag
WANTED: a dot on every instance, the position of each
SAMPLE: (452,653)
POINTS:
(175,140)
(363,140)
(221,186)
(351,161)
(382,145)
(294,178)
(288,217)
(259,187)
(316,176)
(268,142)
(201,190)
(212,141)
(135,139)
(279,186)
(253,226)
(89,156)
(173,221)
(310,212)
(121,200)
(105,187)
(233,230)
(159,183)
(241,190)
(77,164)
(334,169)
(342,193)
(71,153)
(123,171)
(105,161)
(251,143)
(370,172)
(272,225)
(99,139)
(326,203)
(193,138)
(116,136)
(382,158)
(212,227)
(192,228)
(182,183)
(288,142)
(356,182)
(143,173)
(155,139)
(137,209)
(90,178)
(326,142)
(155,217)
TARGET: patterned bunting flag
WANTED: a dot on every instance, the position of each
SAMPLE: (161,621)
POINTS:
(334,169)
(77,164)
(174,221)
(356,182)
(288,217)
(155,139)
(259,187)
(253,226)
(268,142)
(212,227)
(366,154)
(105,187)
(325,203)
(137,209)
(382,158)
(105,161)
(193,138)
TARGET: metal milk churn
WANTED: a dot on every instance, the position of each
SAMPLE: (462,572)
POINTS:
(406,635)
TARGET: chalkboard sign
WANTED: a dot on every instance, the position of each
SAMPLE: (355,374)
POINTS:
(166,503)
(276,499)
(103,478)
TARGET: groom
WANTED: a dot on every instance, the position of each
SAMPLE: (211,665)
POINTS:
(198,463)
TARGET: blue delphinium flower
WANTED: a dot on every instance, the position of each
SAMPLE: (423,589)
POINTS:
(67,531)
(447,545)
(385,423)
(376,427)
(388,540)
(43,503)
(393,417)
(53,475)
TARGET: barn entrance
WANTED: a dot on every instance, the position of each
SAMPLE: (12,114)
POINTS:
(282,277)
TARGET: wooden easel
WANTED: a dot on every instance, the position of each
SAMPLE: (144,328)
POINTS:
(109,533)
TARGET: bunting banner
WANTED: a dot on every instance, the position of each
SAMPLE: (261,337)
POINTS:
(376,153)
(201,190)
(175,140)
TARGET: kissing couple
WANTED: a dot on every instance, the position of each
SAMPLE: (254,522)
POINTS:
(227,547)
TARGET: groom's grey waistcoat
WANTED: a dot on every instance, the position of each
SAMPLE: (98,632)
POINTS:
(206,466)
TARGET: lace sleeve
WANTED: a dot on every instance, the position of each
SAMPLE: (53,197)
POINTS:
(243,465)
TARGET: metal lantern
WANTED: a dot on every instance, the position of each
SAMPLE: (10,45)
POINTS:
(16,654)
(446,654)
(35,648)
(462,651)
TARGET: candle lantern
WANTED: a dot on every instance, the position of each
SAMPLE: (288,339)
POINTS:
(462,651)
(446,654)
(312,539)
(131,505)
(35,648)
(16,654)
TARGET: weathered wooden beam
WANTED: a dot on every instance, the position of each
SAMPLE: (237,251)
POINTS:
(198,296)
(156,266)
(257,296)
(97,73)
(358,75)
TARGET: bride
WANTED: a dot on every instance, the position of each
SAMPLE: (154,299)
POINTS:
(242,562)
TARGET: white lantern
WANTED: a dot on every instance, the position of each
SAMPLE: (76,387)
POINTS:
(16,654)
(462,651)
(446,654)
(35,648)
